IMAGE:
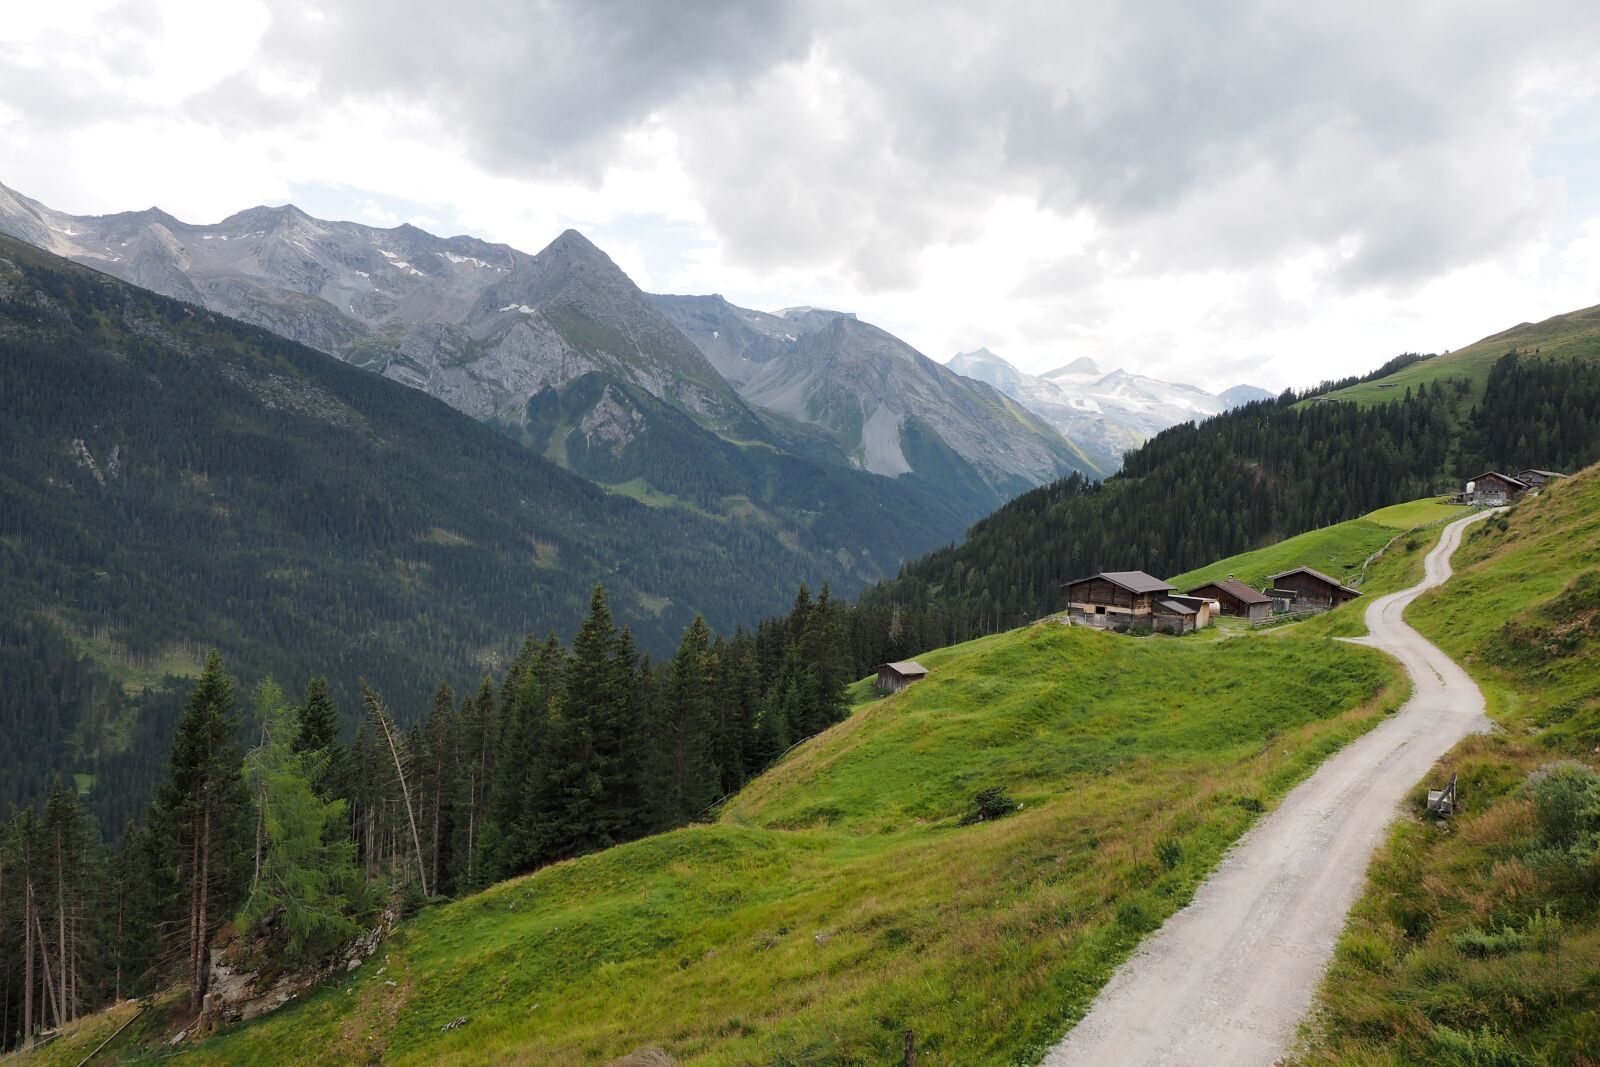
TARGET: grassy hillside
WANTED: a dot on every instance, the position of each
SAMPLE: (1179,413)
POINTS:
(1478,942)
(1338,550)
(842,899)
(1575,335)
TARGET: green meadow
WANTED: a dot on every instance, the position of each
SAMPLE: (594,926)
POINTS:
(1477,940)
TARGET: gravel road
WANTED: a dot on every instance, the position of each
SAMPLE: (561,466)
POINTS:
(1227,980)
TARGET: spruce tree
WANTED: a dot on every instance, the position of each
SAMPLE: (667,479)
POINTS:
(201,818)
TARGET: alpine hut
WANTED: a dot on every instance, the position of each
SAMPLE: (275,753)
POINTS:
(1116,600)
(1305,589)
(1237,599)
(1493,489)
(893,677)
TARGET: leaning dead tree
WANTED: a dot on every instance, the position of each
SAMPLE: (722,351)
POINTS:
(387,730)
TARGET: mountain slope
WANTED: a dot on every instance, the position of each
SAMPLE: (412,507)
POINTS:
(1479,941)
(1107,414)
(1574,335)
(840,900)
(891,409)
(171,480)
(510,338)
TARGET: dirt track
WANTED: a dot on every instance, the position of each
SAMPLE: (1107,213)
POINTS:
(1227,980)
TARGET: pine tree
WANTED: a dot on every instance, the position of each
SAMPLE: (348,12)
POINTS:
(201,817)
(687,729)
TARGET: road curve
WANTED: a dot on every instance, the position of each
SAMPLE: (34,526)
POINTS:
(1227,980)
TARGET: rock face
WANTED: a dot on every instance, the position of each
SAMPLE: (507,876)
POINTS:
(482,326)
(892,409)
(1106,414)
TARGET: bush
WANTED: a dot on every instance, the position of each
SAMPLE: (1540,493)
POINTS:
(1169,852)
(1566,806)
(1481,944)
(1484,1048)
(991,803)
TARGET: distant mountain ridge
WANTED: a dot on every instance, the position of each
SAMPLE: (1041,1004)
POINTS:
(891,408)
(563,350)
(1105,413)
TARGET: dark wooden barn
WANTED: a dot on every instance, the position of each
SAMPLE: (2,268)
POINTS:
(1237,599)
(893,677)
(1538,479)
(1115,600)
(1310,590)
(1493,489)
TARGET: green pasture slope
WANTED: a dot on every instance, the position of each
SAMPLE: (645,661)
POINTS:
(840,899)
(1575,335)
(1337,550)
(1478,942)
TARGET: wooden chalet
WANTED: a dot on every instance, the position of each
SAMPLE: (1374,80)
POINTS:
(1121,600)
(1538,479)
(1493,489)
(893,677)
(1305,589)
(1235,598)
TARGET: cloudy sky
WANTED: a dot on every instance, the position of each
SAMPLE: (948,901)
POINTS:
(1204,190)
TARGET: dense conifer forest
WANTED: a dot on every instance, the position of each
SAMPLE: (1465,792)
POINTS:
(266,823)
(1247,478)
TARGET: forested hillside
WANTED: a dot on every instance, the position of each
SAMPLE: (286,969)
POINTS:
(172,481)
(1246,478)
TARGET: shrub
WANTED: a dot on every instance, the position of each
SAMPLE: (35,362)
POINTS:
(1483,1048)
(1566,806)
(991,803)
(1481,944)
(1169,852)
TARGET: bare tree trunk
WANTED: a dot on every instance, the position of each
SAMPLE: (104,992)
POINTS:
(27,955)
(201,970)
(382,716)
(61,930)
(438,793)
(49,984)
(194,900)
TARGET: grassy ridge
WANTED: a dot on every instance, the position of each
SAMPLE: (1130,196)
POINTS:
(1452,955)
(1338,550)
(1575,335)
(840,900)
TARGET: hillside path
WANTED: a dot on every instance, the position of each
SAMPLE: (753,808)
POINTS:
(1227,979)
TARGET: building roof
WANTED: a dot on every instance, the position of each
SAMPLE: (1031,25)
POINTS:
(1236,589)
(1132,581)
(1502,477)
(1175,608)
(1318,575)
(906,668)
(1540,473)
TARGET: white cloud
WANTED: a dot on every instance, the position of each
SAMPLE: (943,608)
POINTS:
(1234,190)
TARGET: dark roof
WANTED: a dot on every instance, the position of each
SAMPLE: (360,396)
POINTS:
(1330,579)
(1502,477)
(907,668)
(1174,607)
(1132,581)
(1540,473)
(1238,590)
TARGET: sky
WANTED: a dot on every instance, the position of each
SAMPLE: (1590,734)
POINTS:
(1201,190)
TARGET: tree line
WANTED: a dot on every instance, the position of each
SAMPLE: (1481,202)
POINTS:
(266,823)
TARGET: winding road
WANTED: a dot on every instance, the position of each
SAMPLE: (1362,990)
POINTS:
(1227,980)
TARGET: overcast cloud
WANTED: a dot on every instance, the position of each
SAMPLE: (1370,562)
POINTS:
(1213,191)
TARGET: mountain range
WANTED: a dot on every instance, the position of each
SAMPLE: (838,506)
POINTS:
(562,350)
(1106,414)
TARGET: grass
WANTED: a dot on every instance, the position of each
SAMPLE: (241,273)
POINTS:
(1337,550)
(645,493)
(1575,335)
(840,900)
(1474,942)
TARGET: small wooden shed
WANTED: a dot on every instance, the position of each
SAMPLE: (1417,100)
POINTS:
(893,677)
(1115,600)
(1237,599)
(1310,590)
